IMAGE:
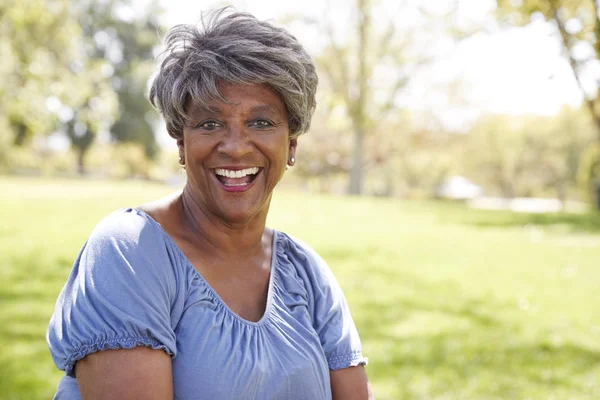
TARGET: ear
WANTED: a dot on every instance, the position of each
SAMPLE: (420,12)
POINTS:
(292,152)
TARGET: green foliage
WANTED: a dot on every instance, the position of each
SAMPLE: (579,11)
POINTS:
(131,161)
(6,140)
(365,67)
(124,38)
(528,155)
(450,303)
(520,12)
(324,153)
(29,161)
(120,161)
(77,67)
(351,68)
(507,155)
(37,46)
(410,161)
(583,12)
(578,26)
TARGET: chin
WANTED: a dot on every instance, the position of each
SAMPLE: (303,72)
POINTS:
(243,209)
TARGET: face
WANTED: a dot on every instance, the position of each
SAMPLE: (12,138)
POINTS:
(237,152)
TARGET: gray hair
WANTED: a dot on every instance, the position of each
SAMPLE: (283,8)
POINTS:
(232,47)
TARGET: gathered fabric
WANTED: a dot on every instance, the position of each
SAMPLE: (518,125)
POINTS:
(132,286)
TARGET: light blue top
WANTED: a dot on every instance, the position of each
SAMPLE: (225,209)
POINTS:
(132,286)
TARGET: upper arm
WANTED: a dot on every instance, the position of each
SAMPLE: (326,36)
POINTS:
(350,384)
(138,373)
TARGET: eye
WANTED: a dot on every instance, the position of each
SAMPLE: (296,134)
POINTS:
(208,125)
(261,124)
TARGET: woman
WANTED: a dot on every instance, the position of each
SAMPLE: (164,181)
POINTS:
(192,296)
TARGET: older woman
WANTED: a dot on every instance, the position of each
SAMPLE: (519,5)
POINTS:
(192,296)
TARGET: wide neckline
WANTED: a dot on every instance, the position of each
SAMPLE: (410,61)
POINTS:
(270,293)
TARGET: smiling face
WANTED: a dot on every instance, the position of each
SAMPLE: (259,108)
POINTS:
(236,153)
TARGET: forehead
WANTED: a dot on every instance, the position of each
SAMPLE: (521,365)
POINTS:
(241,97)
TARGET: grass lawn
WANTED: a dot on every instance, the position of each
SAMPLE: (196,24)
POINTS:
(450,303)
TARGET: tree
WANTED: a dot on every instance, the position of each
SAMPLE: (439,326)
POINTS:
(528,155)
(349,69)
(367,69)
(124,39)
(37,47)
(49,82)
(93,115)
(578,27)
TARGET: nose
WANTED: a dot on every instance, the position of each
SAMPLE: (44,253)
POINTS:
(236,143)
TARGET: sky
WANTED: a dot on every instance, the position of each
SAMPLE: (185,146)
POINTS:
(510,71)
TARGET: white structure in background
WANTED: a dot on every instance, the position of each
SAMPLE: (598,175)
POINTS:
(518,204)
(534,205)
(458,188)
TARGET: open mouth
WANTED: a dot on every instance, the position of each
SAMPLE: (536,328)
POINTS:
(237,178)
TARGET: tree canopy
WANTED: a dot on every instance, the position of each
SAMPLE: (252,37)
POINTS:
(77,67)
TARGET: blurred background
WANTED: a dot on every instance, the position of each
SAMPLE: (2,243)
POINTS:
(418,99)
(451,177)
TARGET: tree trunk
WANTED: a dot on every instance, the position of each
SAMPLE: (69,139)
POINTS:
(358,109)
(81,153)
(590,103)
(505,185)
(20,134)
(357,162)
(389,180)
(561,193)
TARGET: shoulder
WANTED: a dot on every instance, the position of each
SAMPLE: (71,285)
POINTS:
(309,265)
(129,244)
(299,250)
(127,225)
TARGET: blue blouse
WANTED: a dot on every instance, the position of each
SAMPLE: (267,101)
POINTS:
(132,286)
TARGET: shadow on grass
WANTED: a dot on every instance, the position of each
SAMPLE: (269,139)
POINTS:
(431,340)
(459,213)
(8,378)
(572,222)
(479,365)
(27,296)
(16,384)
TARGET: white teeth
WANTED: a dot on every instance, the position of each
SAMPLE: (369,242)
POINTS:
(236,174)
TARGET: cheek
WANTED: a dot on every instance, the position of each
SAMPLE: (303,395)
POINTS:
(275,148)
(199,146)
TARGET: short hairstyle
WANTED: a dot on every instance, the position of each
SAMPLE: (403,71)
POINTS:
(232,47)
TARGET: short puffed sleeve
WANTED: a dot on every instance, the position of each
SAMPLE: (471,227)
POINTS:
(329,309)
(119,294)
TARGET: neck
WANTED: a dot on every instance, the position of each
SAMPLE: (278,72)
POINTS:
(222,239)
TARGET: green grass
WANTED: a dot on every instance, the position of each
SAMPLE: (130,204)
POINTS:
(450,303)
